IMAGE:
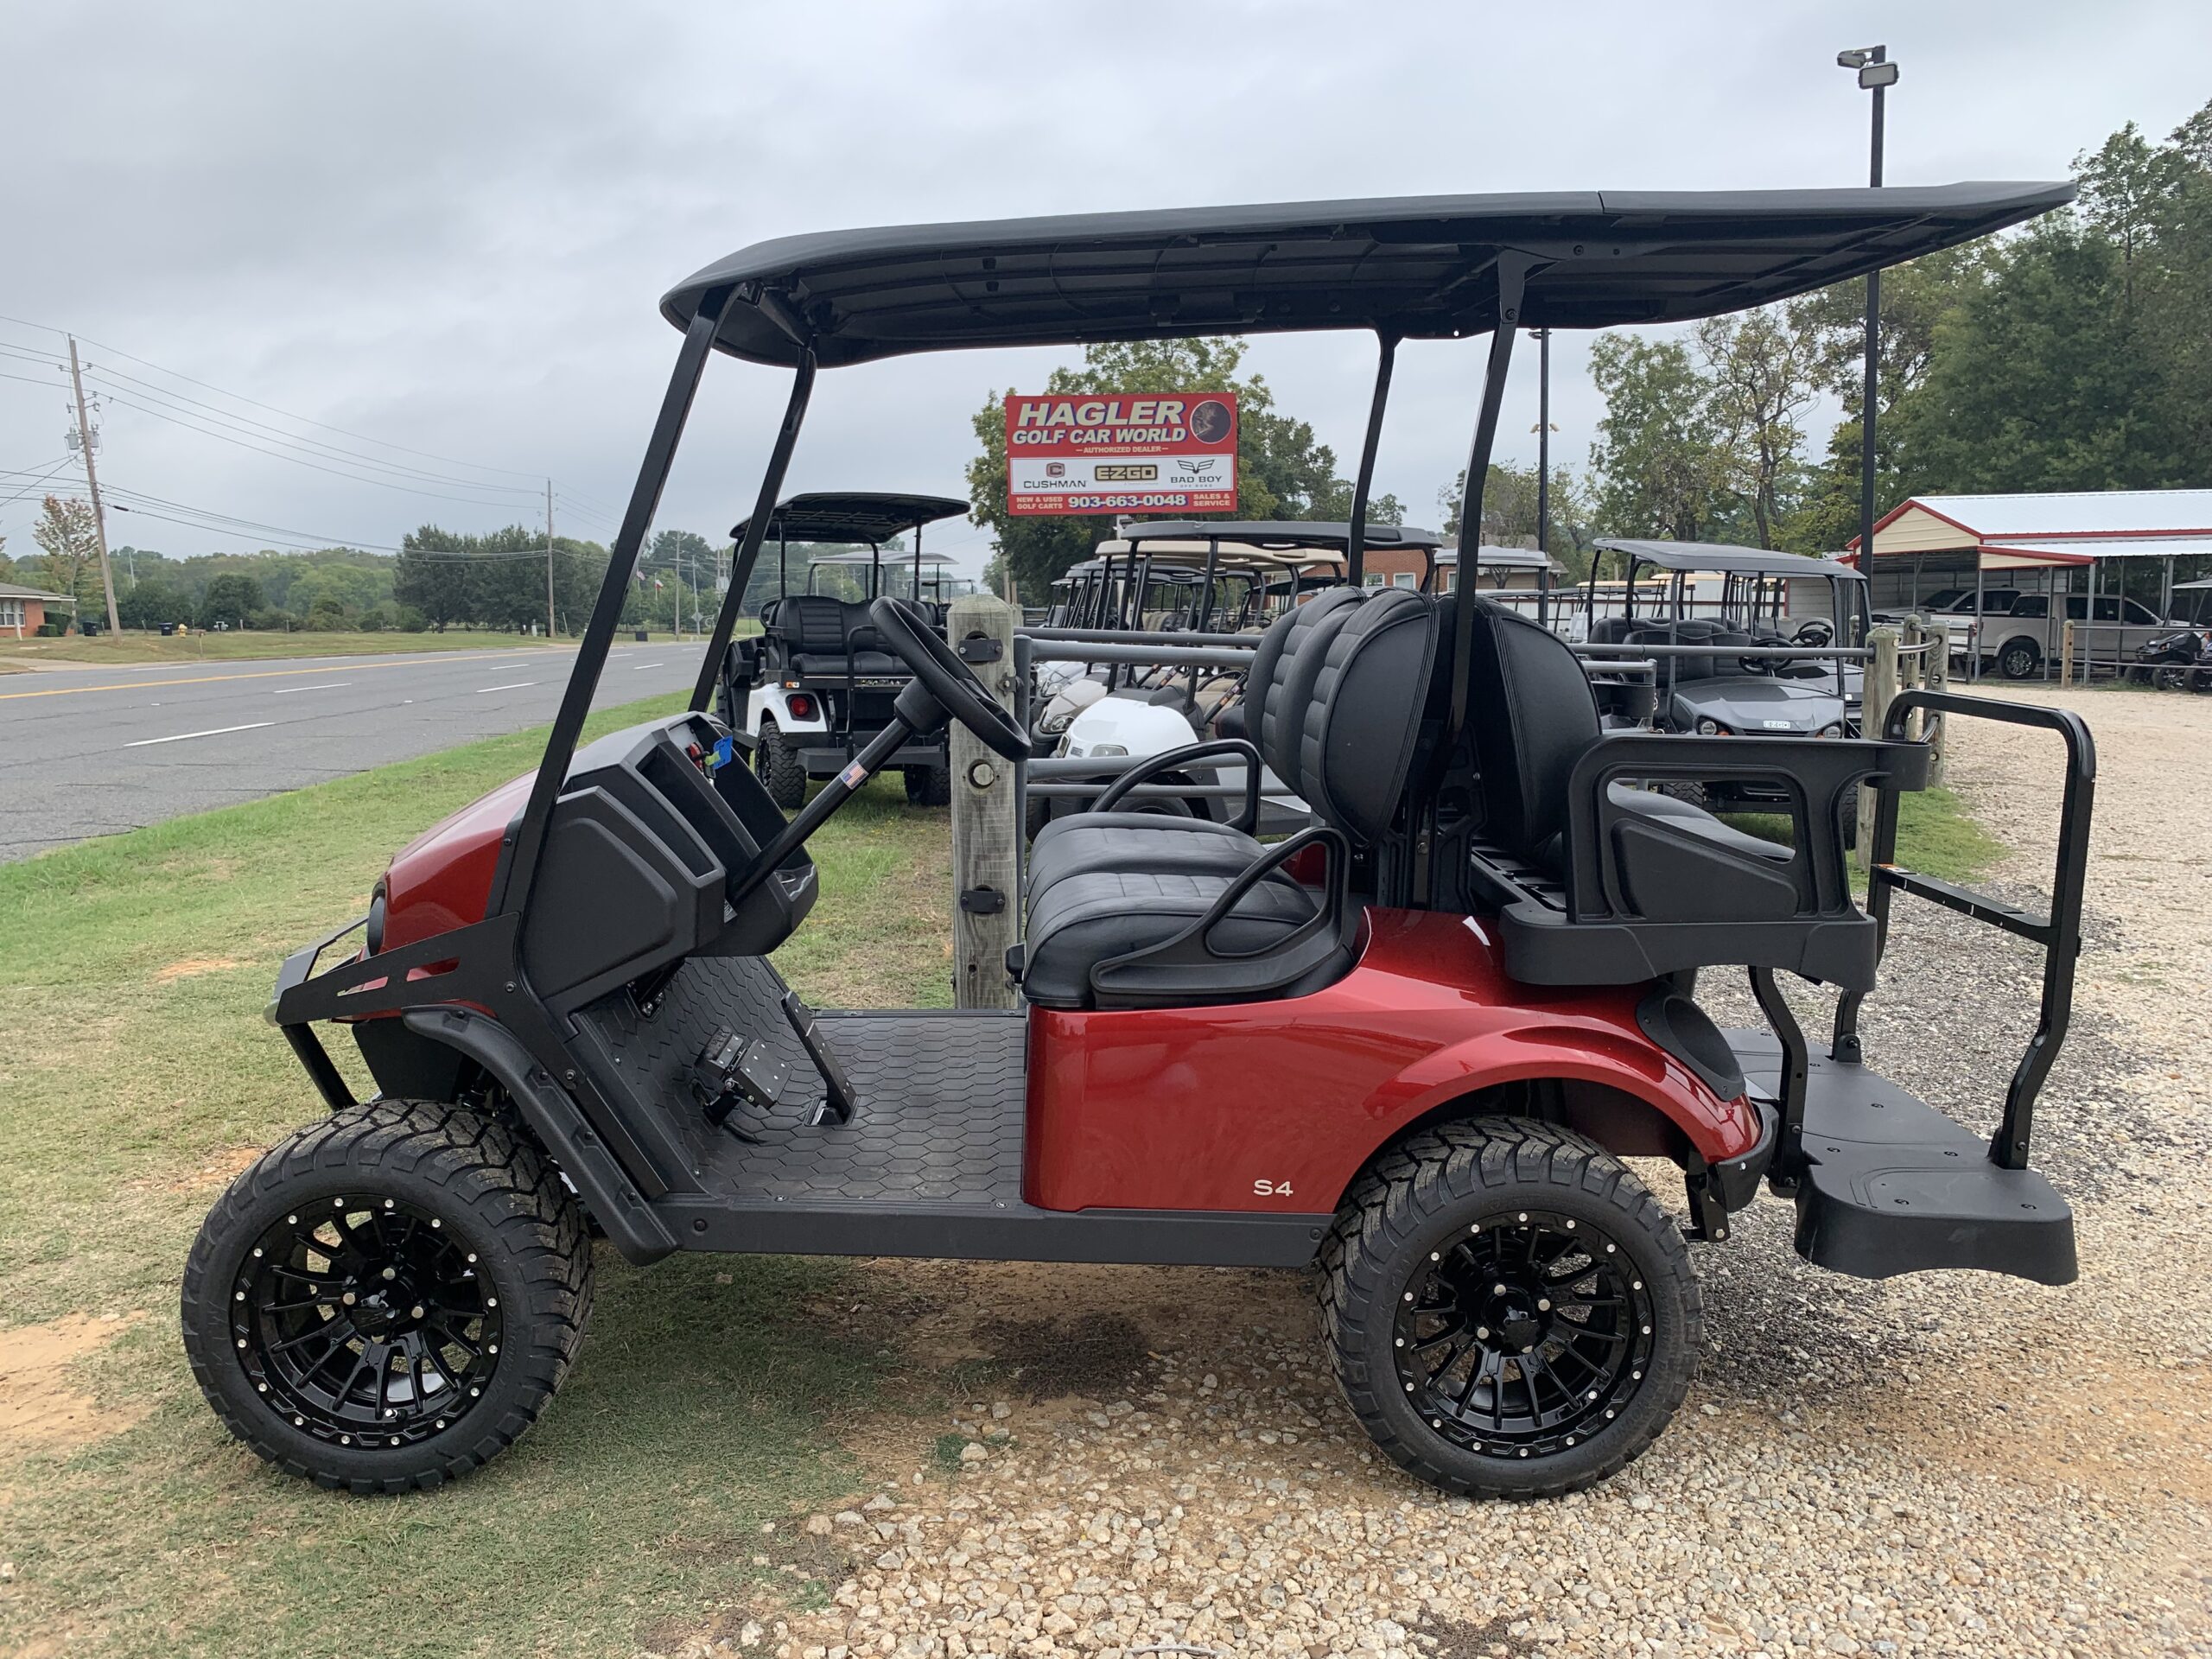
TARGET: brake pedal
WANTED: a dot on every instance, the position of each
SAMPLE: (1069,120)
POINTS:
(733,1070)
(838,1101)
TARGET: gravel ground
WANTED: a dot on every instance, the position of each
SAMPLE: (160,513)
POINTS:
(1950,1464)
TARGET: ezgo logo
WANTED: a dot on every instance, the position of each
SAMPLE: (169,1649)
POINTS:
(1111,473)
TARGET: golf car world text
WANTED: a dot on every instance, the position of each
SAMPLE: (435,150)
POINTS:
(1117,454)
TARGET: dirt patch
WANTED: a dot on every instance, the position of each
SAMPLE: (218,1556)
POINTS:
(39,1405)
(220,1169)
(193,967)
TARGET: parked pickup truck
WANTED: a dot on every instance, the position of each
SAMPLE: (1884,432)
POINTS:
(2019,633)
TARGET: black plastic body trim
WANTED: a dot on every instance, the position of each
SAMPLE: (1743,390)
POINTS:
(553,1117)
(1014,1233)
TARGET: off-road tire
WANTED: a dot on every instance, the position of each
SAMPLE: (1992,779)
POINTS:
(1424,1193)
(783,774)
(2020,659)
(929,786)
(1851,818)
(487,1187)
(1696,795)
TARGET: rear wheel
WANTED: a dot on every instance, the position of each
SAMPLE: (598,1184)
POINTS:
(783,774)
(2020,659)
(1509,1312)
(2170,677)
(929,786)
(388,1299)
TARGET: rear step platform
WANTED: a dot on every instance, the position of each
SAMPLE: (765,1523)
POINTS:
(1892,1185)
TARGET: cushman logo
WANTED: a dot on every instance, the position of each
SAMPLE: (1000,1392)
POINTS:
(1056,469)
(1111,473)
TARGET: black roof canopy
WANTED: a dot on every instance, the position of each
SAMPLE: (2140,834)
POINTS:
(1422,267)
(851,516)
(1275,533)
(1720,558)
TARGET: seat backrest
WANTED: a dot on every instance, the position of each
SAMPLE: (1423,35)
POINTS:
(1612,629)
(815,622)
(1355,742)
(1284,665)
(1532,713)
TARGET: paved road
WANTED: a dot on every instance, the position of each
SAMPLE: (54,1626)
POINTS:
(92,751)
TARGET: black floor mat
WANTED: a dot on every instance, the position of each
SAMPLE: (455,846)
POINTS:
(940,1111)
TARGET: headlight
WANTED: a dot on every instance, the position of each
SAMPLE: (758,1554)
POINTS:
(1109,749)
(1709,727)
(1834,729)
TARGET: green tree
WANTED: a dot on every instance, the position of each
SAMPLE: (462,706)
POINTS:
(151,602)
(1762,371)
(67,535)
(233,601)
(1283,470)
(1509,511)
(1656,466)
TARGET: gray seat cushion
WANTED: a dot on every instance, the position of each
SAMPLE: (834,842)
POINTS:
(1086,919)
(1113,842)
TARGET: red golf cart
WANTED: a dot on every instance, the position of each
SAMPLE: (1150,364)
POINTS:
(1407,1046)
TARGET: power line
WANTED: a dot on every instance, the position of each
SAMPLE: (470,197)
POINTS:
(425,455)
(239,422)
(36,483)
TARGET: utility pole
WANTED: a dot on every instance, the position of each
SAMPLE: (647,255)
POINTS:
(92,484)
(548,558)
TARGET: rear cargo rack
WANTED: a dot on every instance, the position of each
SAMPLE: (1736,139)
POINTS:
(2059,932)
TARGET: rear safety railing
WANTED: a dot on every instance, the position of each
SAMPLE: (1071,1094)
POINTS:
(2059,932)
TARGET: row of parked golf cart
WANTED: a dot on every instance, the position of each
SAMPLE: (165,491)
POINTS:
(1691,638)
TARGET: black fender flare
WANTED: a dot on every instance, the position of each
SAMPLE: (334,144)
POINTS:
(612,1199)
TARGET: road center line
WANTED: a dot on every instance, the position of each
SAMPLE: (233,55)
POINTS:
(335,685)
(634,667)
(518,686)
(218,731)
(430,658)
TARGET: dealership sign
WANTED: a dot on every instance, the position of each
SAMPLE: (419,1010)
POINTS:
(1176,452)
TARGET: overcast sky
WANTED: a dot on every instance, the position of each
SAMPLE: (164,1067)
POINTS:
(446,226)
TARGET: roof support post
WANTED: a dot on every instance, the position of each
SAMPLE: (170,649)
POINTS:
(613,591)
(1513,268)
(1356,545)
(756,531)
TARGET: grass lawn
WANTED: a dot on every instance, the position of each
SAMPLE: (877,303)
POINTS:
(242,646)
(1935,837)
(137,1075)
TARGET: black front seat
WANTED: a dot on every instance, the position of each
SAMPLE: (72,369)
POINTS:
(1285,667)
(1111,936)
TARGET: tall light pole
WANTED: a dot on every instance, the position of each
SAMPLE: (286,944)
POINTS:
(1543,441)
(1876,74)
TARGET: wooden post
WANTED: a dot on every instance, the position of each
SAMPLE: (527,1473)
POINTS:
(2066,653)
(986,896)
(1881,687)
(1935,676)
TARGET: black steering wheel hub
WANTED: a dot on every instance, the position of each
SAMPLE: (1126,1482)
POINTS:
(950,681)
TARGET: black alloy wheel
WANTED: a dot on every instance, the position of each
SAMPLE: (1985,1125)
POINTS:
(367,1321)
(388,1298)
(1510,1312)
(1525,1336)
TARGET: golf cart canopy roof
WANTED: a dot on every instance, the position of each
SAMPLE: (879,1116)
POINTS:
(1716,557)
(862,556)
(851,516)
(1417,267)
(1505,558)
(1273,534)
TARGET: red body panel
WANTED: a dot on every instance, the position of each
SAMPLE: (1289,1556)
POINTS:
(1275,1106)
(442,879)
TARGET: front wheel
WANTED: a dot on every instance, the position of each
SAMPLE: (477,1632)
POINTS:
(1509,1312)
(783,773)
(388,1300)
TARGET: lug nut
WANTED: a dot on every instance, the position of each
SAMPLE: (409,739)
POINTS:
(415,1312)
(1481,1334)
(1542,1307)
(347,1298)
(392,1273)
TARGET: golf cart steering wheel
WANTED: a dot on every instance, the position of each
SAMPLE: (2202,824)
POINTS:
(948,679)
